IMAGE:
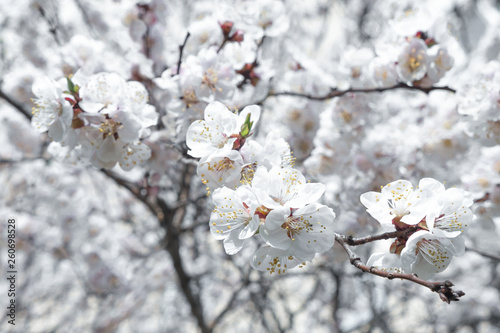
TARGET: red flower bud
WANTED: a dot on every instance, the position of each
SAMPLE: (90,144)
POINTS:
(237,36)
(226,28)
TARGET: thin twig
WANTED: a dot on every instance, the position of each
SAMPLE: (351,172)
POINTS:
(135,191)
(231,303)
(446,293)
(181,49)
(53,26)
(253,64)
(388,235)
(484,253)
(338,93)
(222,45)
(16,105)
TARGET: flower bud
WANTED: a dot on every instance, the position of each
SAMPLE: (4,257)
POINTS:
(226,28)
(237,36)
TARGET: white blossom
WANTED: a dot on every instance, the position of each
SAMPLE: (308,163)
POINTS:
(52,113)
(233,219)
(412,61)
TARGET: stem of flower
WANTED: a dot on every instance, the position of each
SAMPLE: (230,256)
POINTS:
(446,293)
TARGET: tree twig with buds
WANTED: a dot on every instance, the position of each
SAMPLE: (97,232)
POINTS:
(444,289)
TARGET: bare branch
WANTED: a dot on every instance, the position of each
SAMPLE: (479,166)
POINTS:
(52,23)
(181,49)
(338,93)
(446,293)
(135,191)
(16,105)
(170,219)
(388,235)
(484,253)
(231,303)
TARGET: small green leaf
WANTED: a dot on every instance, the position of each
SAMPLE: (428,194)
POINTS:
(246,127)
(244,130)
(71,85)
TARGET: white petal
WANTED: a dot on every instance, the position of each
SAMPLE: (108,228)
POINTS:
(254,111)
(273,233)
(275,261)
(219,113)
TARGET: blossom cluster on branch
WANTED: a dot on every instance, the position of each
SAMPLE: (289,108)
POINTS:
(99,119)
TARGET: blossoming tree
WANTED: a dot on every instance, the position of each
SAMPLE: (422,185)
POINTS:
(331,146)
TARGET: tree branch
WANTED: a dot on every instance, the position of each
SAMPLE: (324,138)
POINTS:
(387,235)
(446,293)
(16,105)
(135,191)
(484,253)
(338,93)
(231,303)
(170,219)
(181,49)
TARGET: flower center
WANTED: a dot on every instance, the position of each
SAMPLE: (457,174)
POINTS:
(294,225)
(413,63)
(189,97)
(210,79)
(110,127)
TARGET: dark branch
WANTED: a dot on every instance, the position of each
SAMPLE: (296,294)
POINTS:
(16,105)
(230,305)
(171,222)
(446,293)
(135,191)
(170,219)
(53,25)
(388,235)
(338,93)
(181,49)
(484,253)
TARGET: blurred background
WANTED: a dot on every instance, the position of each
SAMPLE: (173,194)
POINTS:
(114,251)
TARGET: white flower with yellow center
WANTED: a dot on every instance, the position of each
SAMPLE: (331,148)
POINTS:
(273,260)
(452,215)
(219,130)
(400,203)
(233,218)
(303,231)
(426,254)
(103,93)
(52,112)
(222,168)
(217,77)
(133,154)
(383,72)
(285,187)
(412,61)
(439,63)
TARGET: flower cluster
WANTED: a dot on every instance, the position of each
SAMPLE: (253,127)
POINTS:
(480,105)
(280,206)
(431,220)
(420,62)
(227,157)
(256,191)
(99,119)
